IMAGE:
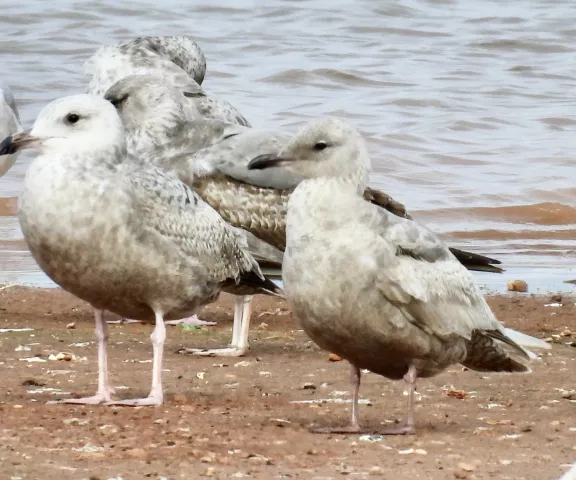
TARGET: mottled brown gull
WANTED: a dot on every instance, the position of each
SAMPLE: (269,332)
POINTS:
(9,124)
(383,292)
(213,156)
(175,60)
(126,238)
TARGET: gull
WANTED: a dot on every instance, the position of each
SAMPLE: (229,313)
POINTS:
(123,237)
(175,60)
(381,291)
(212,156)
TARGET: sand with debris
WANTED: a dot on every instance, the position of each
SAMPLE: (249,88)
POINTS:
(249,417)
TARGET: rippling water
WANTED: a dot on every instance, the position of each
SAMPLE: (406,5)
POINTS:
(467,106)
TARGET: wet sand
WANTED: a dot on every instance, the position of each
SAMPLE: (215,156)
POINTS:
(234,418)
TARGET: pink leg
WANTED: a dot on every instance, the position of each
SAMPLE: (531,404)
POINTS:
(240,331)
(354,426)
(156,396)
(104,391)
(408,429)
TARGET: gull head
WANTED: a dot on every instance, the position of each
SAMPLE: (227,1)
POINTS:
(327,147)
(71,124)
(146,99)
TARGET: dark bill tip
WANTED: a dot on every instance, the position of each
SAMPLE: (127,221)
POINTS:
(265,161)
(7,147)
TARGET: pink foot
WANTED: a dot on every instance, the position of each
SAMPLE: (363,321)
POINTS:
(193,320)
(352,428)
(93,400)
(125,320)
(403,430)
(138,402)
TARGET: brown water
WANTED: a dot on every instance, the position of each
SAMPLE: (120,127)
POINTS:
(468,106)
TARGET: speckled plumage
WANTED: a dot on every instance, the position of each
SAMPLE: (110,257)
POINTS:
(178,59)
(157,243)
(213,155)
(261,211)
(175,61)
(125,237)
(9,124)
(381,291)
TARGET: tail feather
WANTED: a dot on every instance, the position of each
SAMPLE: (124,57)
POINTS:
(518,341)
(486,355)
(526,340)
(497,335)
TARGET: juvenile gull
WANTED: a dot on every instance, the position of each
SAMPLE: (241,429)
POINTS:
(175,60)
(130,239)
(381,291)
(9,124)
(213,157)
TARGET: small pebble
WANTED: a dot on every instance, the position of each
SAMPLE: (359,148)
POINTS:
(259,459)
(138,453)
(517,286)
(108,429)
(74,421)
(459,394)
(467,467)
(243,363)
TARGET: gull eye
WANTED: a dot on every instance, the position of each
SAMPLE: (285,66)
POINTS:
(72,118)
(320,145)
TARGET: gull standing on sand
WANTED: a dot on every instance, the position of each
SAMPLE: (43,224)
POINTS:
(381,291)
(9,124)
(175,60)
(213,157)
(126,238)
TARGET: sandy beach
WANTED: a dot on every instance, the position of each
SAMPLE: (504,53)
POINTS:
(248,417)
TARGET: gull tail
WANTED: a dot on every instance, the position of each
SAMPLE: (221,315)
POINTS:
(527,341)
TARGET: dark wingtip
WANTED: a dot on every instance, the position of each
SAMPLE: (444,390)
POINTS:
(476,262)
(252,283)
(264,161)
(7,146)
(193,94)
(270,287)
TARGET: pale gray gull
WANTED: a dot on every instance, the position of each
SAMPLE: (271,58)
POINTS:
(213,157)
(9,124)
(381,291)
(175,60)
(124,237)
